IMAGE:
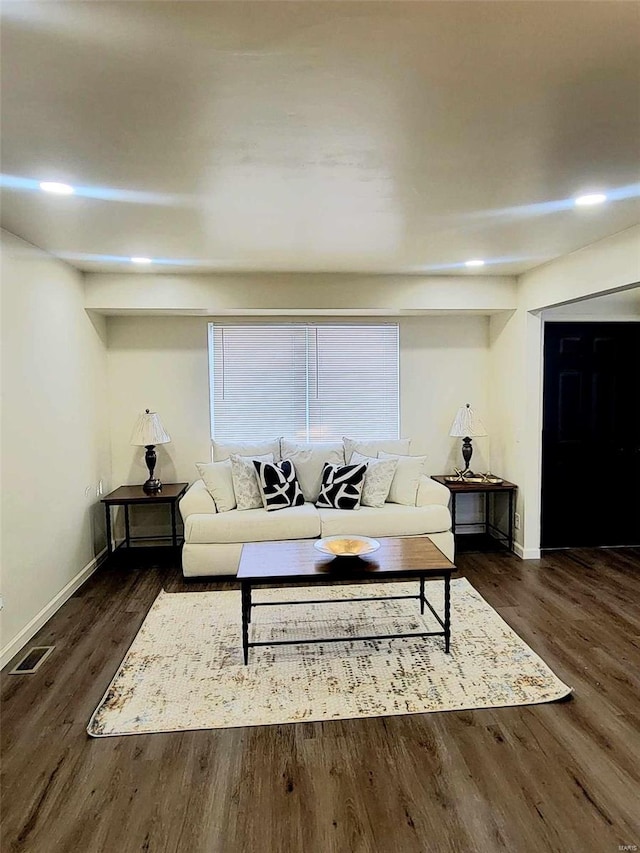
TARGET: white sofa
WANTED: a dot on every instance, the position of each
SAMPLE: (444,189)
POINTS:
(213,540)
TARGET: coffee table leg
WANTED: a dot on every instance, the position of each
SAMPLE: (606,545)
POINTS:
(422,595)
(246,613)
(447,611)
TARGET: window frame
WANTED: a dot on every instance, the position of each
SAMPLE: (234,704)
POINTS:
(214,326)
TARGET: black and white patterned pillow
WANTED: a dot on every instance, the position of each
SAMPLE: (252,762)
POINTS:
(278,484)
(341,486)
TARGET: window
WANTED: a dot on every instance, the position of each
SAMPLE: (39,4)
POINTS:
(312,382)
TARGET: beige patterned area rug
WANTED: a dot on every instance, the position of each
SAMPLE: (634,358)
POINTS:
(184,669)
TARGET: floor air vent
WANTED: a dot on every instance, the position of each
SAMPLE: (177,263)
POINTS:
(33,659)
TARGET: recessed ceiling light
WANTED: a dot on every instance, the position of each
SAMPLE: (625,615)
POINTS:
(476,262)
(589,199)
(55,187)
(140,260)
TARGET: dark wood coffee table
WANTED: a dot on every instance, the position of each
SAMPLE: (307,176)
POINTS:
(297,562)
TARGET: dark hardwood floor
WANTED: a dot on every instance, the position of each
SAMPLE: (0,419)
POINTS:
(555,777)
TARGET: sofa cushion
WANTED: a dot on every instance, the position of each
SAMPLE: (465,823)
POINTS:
(430,492)
(341,486)
(308,459)
(389,520)
(197,499)
(219,482)
(377,480)
(279,487)
(371,447)
(404,486)
(253,525)
(245,480)
(224,449)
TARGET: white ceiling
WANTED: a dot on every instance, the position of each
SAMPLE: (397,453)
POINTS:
(310,136)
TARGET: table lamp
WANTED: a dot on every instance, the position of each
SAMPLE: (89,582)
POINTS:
(467,425)
(148,432)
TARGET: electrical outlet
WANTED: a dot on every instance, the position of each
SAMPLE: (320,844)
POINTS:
(517,521)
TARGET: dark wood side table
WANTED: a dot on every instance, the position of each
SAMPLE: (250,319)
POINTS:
(461,488)
(127,496)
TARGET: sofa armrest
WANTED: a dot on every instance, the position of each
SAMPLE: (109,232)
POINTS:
(196,500)
(430,492)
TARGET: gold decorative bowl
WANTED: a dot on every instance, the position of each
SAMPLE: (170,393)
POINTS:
(346,546)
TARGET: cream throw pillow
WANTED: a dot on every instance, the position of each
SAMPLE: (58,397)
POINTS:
(308,460)
(219,482)
(225,449)
(404,488)
(245,480)
(373,446)
(377,479)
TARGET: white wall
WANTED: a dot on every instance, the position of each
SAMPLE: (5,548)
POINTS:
(294,293)
(622,305)
(514,362)
(597,269)
(55,441)
(162,363)
(601,270)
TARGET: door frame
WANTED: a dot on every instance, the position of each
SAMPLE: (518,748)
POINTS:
(534,495)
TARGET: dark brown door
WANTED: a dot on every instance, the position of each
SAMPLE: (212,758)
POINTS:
(591,435)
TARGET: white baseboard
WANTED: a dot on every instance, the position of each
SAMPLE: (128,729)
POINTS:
(22,638)
(526,554)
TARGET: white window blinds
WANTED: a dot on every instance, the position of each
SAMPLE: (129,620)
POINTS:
(311,382)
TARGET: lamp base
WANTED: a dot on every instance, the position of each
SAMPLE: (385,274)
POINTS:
(467,450)
(152,486)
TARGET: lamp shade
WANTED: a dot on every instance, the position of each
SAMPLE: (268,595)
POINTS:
(467,424)
(149,430)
